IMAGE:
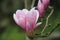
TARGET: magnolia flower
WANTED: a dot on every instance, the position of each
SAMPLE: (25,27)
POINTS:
(41,10)
(42,6)
(46,3)
(27,19)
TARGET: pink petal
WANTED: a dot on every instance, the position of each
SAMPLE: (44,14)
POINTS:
(25,11)
(15,18)
(32,18)
(28,27)
(21,12)
(18,11)
(35,12)
(20,21)
(34,15)
(37,15)
(38,24)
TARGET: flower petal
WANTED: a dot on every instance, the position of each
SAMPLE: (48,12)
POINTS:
(15,18)
(34,15)
(38,24)
(32,18)
(25,11)
(37,13)
(18,11)
(32,9)
(20,21)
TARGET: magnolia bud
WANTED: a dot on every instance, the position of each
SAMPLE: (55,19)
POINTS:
(41,9)
(45,3)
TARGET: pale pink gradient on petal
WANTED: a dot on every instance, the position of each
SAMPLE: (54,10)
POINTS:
(36,13)
(15,18)
(25,11)
(18,11)
(31,20)
(21,19)
(28,27)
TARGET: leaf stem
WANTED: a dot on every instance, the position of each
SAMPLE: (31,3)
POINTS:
(48,19)
(25,3)
(33,2)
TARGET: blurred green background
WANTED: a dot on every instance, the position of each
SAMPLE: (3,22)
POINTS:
(10,31)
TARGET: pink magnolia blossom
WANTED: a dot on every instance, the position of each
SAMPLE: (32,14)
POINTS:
(41,10)
(46,3)
(42,6)
(27,19)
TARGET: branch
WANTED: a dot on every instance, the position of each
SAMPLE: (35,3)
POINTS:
(33,2)
(25,3)
(48,18)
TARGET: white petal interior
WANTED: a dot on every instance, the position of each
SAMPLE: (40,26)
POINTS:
(15,18)
(37,15)
(18,11)
(25,11)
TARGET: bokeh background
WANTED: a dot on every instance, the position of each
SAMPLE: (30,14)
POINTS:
(10,31)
